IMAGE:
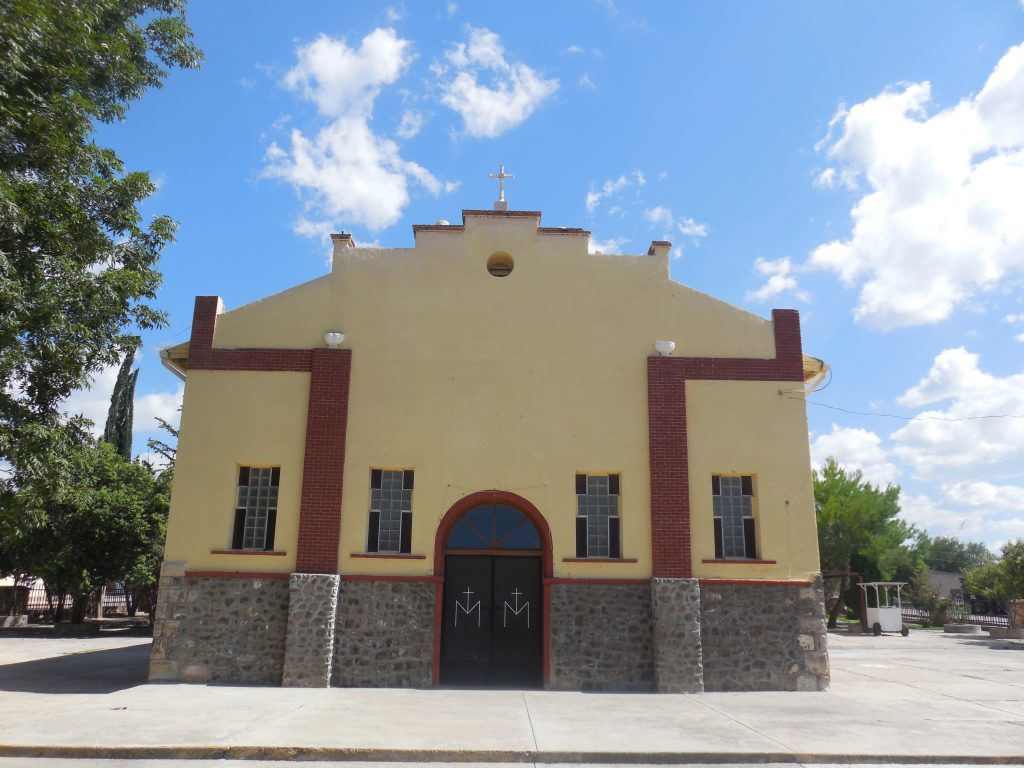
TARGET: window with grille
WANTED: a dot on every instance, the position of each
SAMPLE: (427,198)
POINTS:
(256,508)
(597,516)
(733,505)
(390,528)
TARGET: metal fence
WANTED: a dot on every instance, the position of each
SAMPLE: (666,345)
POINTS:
(114,600)
(914,615)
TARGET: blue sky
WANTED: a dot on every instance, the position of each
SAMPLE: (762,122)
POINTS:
(861,162)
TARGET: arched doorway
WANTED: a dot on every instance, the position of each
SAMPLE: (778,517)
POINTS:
(493,552)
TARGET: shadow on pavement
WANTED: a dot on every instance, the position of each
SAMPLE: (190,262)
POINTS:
(998,644)
(91,672)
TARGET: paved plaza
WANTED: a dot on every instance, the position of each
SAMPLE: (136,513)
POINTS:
(930,697)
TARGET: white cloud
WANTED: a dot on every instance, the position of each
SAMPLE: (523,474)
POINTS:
(690,227)
(412,123)
(515,91)
(350,172)
(954,372)
(830,178)
(997,498)
(662,216)
(586,82)
(825,179)
(854,449)
(946,496)
(342,80)
(780,280)
(610,188)
(574,49)
(659,215)
(611,245)
(613,188)
(395,13)
(943,190)
(154,405)
(346,171)
(315,229)
(934,445)
(94,403)
(1013,319)
(451,8)
(942,518)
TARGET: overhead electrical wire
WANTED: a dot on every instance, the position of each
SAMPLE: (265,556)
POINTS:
(912,418)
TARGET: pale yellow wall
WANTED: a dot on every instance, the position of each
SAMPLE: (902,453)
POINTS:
(748,428)
(228,420)
(478,383)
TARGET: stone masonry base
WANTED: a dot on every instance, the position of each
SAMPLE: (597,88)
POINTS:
(601,637)
(764,637)
(228,630)
(385,635)
(672,635)
(309,645)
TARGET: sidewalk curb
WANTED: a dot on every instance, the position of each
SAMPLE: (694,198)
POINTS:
(350,754)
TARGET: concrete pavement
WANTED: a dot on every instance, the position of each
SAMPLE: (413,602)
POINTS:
(928,698)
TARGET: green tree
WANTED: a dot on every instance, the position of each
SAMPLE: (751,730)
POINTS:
(97,527)
(166,450)
(859,530)
(947,553)
(121,414)
(1000,580)
(77,263)
(141,582)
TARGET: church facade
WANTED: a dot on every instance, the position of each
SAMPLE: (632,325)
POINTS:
(493,459)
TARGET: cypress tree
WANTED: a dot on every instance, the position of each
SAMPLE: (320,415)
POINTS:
(121,415)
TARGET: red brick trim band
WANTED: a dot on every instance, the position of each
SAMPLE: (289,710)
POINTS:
(605,582)
(202,356)
(671,545)
(250,552)
(754,583)
(371,577)
(323,468)
(236,575)
(386,556)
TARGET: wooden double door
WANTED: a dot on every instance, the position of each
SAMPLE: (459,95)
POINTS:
(492,621)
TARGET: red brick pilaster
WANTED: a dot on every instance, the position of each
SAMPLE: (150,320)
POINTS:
(670,471)
(789,355)
(324,463)
(666,414)
(204,323)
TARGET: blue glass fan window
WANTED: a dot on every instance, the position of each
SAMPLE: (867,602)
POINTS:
(494,526)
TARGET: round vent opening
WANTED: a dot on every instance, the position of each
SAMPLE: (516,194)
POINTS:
(500,264)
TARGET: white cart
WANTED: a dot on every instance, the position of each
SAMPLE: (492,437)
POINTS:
(884,607)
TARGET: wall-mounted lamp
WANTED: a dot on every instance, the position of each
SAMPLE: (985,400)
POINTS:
(334,339)
(664,348)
